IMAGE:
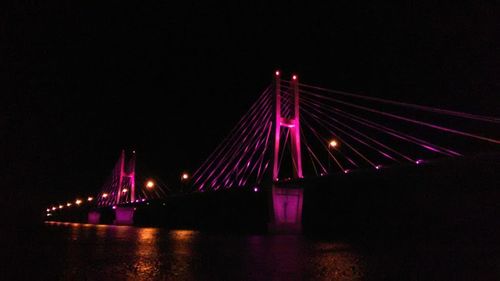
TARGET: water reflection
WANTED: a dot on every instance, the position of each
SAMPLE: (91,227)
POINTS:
(102,252)
(335,261)
(146,263)
(182,258)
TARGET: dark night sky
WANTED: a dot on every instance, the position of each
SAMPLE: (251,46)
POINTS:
(80,80)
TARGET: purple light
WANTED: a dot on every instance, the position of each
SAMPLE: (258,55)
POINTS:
(430,148)
(124,216)
(351,161)
(287,124)
(143,199)
(346,171)
(114,207)
(419,161)
(287,205)
(255,189)
(378,167)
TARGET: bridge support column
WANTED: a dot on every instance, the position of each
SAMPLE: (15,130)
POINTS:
(94,217)
(124,216)
(287,210)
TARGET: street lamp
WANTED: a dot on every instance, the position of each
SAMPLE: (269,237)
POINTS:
(184,180)
(332,144)
(150,184)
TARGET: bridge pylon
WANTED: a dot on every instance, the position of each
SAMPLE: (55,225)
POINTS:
(291,123)
(126,172)
(287,201)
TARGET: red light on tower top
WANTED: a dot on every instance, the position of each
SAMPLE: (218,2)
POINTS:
(294,77)
(277,73)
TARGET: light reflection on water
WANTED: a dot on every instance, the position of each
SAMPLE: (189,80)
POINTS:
(103,252)
(146,255)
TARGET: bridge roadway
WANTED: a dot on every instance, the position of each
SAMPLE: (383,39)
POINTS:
(440,196)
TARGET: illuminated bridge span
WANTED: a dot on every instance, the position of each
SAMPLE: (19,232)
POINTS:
(301,131)
(297,130)
(119,193)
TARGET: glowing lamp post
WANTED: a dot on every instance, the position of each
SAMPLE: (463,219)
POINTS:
(184,179)
(332,144)
(150,184)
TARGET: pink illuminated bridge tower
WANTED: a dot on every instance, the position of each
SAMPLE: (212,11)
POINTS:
(287,202)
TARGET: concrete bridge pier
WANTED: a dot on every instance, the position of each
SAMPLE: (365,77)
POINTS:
(94,217)
(124,216)
(287,210)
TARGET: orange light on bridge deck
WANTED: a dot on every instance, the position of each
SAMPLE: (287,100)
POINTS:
(124,190)
(61,206)
(150,184)
(78,202)
(54,208)
(90,198)
(104,195)
(185,176)
(68,204)
(333,143)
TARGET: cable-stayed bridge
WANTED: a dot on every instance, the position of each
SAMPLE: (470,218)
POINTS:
(295,132)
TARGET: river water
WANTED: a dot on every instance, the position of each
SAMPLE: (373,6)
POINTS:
(71,251)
